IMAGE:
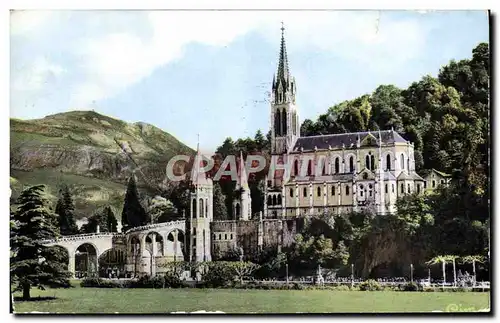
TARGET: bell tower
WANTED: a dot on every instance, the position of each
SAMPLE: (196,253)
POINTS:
(285,127)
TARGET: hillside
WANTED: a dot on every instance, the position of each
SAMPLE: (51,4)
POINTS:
(84,149)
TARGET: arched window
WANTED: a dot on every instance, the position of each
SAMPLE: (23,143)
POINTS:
(388,162)
(194,208)
(277,123)
(296,167)
(269,201)
(386,188)
(433,183)
(237,210)
(324,166)
(337,165)
(305,191)
(409,188)
(274,199)
(201,208)
(418,188)
(367,162)
(402,162)
(294,123)
(402,188)
(309,168)
(283,122)
(291,192)
(319,191)
(347,190)
(351,164)
(393,188)
(333,190)
(372,162)
(279,200)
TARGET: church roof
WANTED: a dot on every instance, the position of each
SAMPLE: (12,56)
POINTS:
(349,140)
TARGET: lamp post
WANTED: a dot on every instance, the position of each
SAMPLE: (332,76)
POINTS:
(411,273)
(286,267)
(429,276)
(352,275)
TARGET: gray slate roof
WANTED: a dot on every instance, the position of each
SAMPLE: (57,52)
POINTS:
(335,141)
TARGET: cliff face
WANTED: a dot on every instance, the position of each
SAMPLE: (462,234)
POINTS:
(86,151)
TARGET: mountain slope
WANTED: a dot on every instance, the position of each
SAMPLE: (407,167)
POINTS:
(85,150)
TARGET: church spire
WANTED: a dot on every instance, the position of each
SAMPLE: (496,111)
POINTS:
(283,71)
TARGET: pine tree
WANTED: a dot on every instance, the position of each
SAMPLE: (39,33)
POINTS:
(65,209)
(111,222)
(133,214)
(33,264)
(220,209)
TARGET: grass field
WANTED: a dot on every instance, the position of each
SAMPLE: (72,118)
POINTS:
(93,300)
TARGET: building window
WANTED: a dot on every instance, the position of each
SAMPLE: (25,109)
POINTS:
(215,236)
(319,191)
(402,161)
(386,188)
(402,188)
(442,182)
(274,200)
(370,190)
(291,192)
(231,236)
(418,188)
(409,188)
(388,162)
(393,188)
(351,164)
(269,200)
(425,184)
(220,236)
(305,192)
(279,200)
(337,165)
(433,183)
(333,190)
(296,167)
(367,162)
(309,168)
(372,162)
(361,192)
(225,236)
(347,190)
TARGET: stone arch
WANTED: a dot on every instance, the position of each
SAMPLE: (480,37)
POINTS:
(175,244)
(86,264)
(388,161)
(153,244)
(195,210)
(202,208)
(277,122)
(283,122)
(112,263)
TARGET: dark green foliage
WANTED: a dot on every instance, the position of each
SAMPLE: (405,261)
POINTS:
(220,208)
(104,218)
(65,210)
(410,287)
(370,285)
(133,214)
(33,264)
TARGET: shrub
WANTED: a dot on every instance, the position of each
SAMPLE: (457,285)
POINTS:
(370,285)
(410,287)
(102,283)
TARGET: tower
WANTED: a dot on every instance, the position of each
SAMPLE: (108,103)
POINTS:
(201,212)
(285,127)
(242,205)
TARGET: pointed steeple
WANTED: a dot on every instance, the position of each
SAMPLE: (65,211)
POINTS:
(283,71)
(198,176)
(242,174)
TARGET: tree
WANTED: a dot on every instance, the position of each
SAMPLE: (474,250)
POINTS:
(111,223)
(32,263)
(243,269)
(473,260)
(442,260)
(220,209)
(65,210)
(133,214)
(453,260)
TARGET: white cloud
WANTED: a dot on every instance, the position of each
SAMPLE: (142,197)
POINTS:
(113,61)
(25,21)
(35,76)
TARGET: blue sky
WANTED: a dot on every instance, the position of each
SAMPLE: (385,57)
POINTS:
(209,72)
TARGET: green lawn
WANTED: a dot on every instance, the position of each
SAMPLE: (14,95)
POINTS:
(93,300)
